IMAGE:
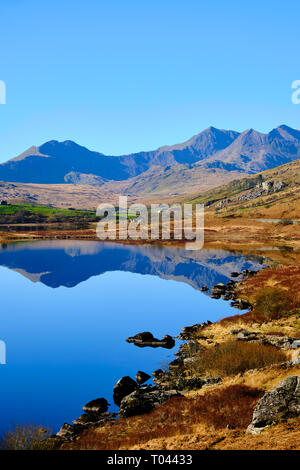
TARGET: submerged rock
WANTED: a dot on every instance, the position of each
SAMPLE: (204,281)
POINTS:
(280,403)
(146,338)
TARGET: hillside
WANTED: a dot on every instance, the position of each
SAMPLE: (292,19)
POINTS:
(272,194)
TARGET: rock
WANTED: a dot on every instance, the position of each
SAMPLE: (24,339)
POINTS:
(94,418)
(188,331)
(227,297)
(213,381)
(278,186)
(141,377)
(176,363)
(99,405)
(222,203)
(144,400)
(280,403)
(65,431)
(234,274)
(85,419)
(248,273)
(123,387)
(204,289)
(241,304)
(234,332)
(146,338)
(193,383)
(69,432)
(215,295)
(282,342)
(247,335)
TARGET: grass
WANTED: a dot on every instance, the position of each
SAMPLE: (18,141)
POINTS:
(12,209)
(235,357)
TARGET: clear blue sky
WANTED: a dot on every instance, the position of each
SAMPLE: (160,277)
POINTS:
(124,76)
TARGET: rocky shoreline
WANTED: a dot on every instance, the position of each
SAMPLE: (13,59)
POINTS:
(134,397)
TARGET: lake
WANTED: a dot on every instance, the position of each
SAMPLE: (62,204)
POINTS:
(67,308)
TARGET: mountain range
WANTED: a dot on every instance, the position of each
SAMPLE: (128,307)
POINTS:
(206,160)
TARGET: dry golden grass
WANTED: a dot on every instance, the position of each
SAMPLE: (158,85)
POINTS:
(236,357)
(284,436)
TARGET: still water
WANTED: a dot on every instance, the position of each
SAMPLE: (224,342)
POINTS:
(67,308)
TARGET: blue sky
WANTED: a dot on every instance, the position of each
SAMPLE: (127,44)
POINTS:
(120,77)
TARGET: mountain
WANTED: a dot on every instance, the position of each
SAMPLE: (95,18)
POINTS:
(253,151)
(205,161)
(52,162)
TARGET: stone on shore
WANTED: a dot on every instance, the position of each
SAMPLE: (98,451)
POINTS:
(280,403)
(144,400)
(123,387)
(99,405)
(141,377)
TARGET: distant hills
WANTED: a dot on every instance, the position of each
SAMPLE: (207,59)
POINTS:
(203,162)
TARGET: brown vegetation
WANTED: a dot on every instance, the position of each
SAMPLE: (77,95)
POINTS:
(28,437)
(224,407)
(235,357)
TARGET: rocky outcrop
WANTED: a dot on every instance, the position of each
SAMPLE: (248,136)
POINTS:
(69,432)
(123,387)
(146,338)
(189,331)
(282,342)
(144,399)
(227,291)
(280,403)
(263,189)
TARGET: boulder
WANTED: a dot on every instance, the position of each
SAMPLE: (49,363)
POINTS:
(94,418)
(280,403)
(144,400)
(69,432)
(123,387)
(99,405)
(141,377)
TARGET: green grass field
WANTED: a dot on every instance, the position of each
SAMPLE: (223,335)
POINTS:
(43,210)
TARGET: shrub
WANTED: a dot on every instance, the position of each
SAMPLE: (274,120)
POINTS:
(272,302)
(234,357)
(28,437)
